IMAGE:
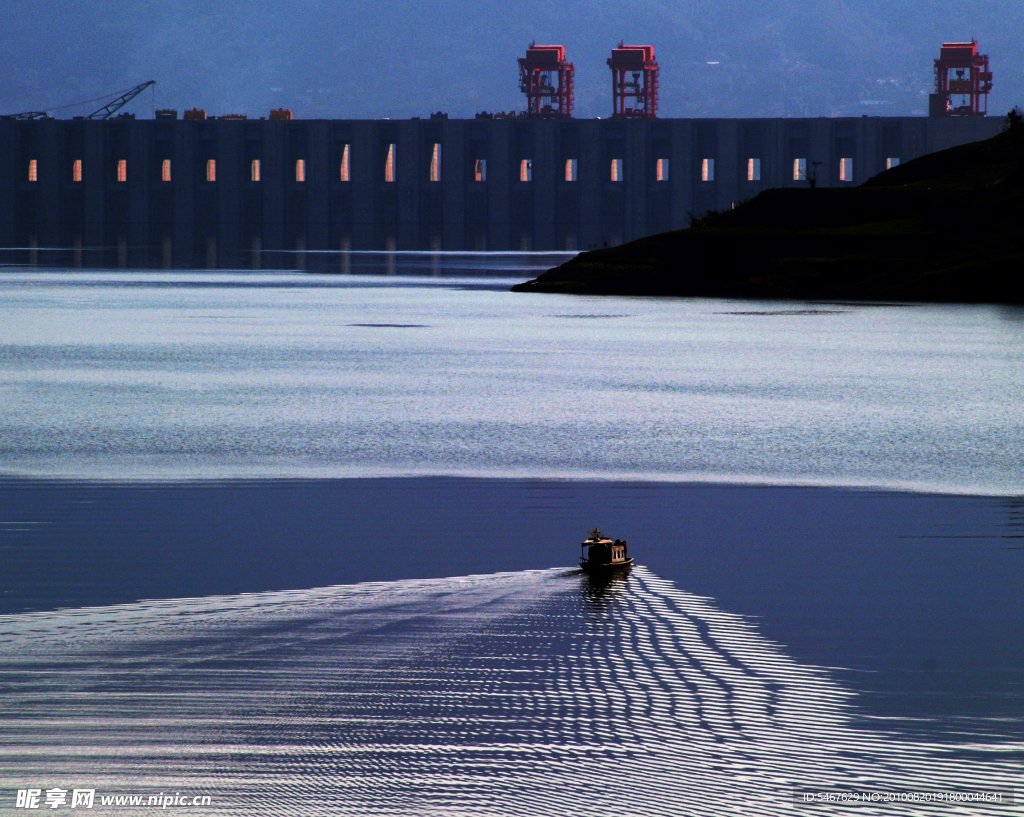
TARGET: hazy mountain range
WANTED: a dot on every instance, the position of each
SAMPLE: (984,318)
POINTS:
(394,58)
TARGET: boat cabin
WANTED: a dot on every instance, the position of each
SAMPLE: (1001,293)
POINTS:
(600,552)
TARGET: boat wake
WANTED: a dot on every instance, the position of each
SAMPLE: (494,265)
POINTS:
(533,693)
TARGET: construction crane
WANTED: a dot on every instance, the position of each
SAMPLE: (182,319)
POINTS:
(111,108)
(105,112)
(27,115)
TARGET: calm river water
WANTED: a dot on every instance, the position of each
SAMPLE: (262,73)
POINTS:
(304,543)
(209,375)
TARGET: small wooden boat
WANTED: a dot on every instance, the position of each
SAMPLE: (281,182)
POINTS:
(599,554)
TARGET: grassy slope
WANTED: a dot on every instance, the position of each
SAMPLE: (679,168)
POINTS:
(947,227)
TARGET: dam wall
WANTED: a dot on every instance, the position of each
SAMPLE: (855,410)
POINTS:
(225,192)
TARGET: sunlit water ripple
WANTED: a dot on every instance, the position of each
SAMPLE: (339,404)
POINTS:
(209,375)
(530,693)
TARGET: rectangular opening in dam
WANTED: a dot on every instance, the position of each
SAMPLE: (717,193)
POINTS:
(300,170)
(165,170)
(707,170)
(616,170)
(211,170)
(435,163)
(846,169)
(891,162)
(480,170)
(122,170)
(389,165)
(799,170)
(753,170)
(345,163)
(76,171)
(254,170)
(661,170)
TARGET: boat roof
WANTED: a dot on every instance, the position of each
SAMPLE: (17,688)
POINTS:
(598,541)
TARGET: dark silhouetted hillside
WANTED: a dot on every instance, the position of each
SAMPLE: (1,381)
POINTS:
(946,227)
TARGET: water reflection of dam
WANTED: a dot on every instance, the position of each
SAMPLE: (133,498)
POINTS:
(526,693)
(206,193)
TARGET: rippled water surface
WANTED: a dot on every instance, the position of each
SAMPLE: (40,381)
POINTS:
(200,375)
(526,693)
(238,511)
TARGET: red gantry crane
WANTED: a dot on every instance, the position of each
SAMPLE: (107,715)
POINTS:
(547,80)
(961,72)
(634,82)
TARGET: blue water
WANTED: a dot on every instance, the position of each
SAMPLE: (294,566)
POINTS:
(304,544)
(508,694)
(146,375)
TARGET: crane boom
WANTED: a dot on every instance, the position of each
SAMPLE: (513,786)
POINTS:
(105,112)
(113,107)
(27,115)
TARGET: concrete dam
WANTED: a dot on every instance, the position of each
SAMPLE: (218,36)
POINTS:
(225,192)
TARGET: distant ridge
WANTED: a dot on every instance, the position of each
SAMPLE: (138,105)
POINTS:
(946,227)
(327,59)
